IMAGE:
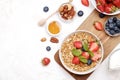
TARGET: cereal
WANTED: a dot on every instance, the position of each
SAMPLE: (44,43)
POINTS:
(67,55)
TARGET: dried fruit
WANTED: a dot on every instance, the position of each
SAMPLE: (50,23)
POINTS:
(43,39)
(54,40)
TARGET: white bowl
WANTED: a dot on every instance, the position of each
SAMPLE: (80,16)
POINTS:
(50,32)
(114,13)
(90,70)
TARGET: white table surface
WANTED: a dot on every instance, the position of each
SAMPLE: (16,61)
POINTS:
(20,48)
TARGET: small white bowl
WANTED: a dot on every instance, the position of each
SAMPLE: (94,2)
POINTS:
(90,70)
(50,32)
(114,13)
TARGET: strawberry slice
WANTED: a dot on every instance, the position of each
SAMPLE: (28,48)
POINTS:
(76,60)
(116,3)
(85,54)
(77,44)
(85,2)
(94,47)
(101,8)
(102,2)
(98,25)
(109,8)
(96,56)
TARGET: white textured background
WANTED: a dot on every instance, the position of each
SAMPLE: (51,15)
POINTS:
(20,48)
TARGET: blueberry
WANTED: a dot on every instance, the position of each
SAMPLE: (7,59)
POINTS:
(112,32)
(110,20)
(118,23)
(111,26)
(101,15)
(45,9)
(114,19)
(48,48)
(80,13)
(89,62)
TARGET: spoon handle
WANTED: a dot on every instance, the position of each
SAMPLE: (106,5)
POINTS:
(51,15)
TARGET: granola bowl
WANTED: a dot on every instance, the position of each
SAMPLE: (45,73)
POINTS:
(81,52)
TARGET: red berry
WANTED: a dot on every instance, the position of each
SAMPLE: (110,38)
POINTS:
(98,25)
(94,47)
(116,3)
(96,56)
(85,55)
(76,60)
(77,44)
(45,61)
(109,8)
(101,8)
(85,2)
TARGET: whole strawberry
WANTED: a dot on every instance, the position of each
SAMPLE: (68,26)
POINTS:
(45,61)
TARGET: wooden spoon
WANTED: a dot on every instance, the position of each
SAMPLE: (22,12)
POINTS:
(43,21)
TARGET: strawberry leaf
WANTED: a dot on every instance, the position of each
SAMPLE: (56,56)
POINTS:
(91,53)
(83,59)
(76,52)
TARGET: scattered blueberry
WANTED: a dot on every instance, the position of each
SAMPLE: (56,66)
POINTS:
(45,9)
(80,13)
(89,62)
(48,48)
(101,15)
(114,19)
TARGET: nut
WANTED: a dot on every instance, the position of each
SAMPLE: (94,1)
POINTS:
(54,40)
(43,39)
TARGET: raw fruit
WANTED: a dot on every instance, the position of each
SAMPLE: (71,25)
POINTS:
(109,8)
(89,62)
(101,8)
(85,2)
(48,48)
(85,55)
(96,56)
(45,9)
(80,13)
(101,15)
(45,61)
(76,60)
(94,47)
(77,44)
(116,3)
(98,25)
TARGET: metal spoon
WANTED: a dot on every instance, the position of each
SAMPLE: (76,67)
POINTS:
(43,21)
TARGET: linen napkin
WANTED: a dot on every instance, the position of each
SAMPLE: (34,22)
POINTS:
(103,73)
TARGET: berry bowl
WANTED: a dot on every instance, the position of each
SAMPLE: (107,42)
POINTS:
(107,8)
(81,52)
(112,26)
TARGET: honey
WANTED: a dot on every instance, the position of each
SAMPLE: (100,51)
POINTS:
(54,27)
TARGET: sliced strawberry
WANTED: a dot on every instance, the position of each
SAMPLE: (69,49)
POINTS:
(98,25)
(77,44)
(76,60)
(94,47)
(85,54)
(109,8)
(101,8)
(96,56)
(102,2)
(116,3)
(85,2)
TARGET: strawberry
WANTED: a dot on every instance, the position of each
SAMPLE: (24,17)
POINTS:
(94,47)
(45,61)
(101,8)
(98,25)
(77,44)
(103,2)
(76,60)
(116,3)
(85,54)
(109,8)
(96,56)
(85,2)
